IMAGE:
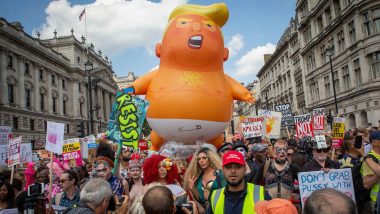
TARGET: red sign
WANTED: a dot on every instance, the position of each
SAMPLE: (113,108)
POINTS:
(143,145)
(319,119)
(303,125)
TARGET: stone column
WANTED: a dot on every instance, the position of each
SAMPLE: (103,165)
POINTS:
(49,97)
(358,26)
(36,82)
(60,96)
(21,85)
(107,105)
(100,103)
(73,104)
(3,77)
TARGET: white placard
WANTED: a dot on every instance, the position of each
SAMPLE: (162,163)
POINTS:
(14,151)
(54,137)
(5,132)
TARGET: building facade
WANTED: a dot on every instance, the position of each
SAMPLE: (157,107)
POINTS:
(351,28)
(45,80)
(125,82)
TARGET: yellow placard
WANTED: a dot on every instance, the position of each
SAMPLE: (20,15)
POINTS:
(71,147)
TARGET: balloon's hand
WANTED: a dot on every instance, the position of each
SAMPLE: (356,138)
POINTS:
(251,99)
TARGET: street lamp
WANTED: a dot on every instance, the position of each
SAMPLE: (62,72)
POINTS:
(330,52)
(89,66)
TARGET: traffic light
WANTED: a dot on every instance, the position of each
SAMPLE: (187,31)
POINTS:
(81,129)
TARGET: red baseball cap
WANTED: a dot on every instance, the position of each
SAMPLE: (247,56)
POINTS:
(233,157)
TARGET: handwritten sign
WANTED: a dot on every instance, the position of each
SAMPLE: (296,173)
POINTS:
(14,151)
(71,152)
(272,123)
(338,131)
(318,120)
(26,153)
(339,179)
(5,132)
(252,126)
(126,120)
(54,137)
(304,125)
(287,115)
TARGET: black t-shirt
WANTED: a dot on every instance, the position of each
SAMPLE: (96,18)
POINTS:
(235,195)
(313,165)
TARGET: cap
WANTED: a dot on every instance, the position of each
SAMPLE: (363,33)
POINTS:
(233,157)
(275,206)
(240,144)
(259,147)
(375,135)
(225,146)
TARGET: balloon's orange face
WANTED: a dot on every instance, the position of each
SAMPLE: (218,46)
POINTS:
(193,40)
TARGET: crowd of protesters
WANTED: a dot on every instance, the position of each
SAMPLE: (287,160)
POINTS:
(243,176)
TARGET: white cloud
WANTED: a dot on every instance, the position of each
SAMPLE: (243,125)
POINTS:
(251,63)
(112,25)
(235,44)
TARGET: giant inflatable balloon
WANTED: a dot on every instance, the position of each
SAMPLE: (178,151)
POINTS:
(190,96)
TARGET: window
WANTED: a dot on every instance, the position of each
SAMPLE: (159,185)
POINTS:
(307,34)
(64,107)
(78,60)
(346,3)
(346,78)
(53,79)
(376,20)
(320,24)
(41,74)
(11,98)
(45,125)
(375,64)
(327,86)
(304,10)
(357,71)
(367,24)
(10,61)
(63,83)
(314,89)
(351,31)
(337,7)
(26,68)
(328,15)
(15,122)
(80,87)
(336,81)
(310,62)
(81,108)
(54,104)
(27,98)
(341,44)
(322,49)
(31,124)
(42,101)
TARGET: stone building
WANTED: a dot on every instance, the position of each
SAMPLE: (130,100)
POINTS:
(124,82)
(351,28)
(45,80)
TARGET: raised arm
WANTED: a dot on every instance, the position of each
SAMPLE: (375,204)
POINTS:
(141,85)
(239,92)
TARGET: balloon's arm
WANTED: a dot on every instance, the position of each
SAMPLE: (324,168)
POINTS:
(141,85)
(239,92)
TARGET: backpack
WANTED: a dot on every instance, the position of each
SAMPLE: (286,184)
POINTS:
(362,195)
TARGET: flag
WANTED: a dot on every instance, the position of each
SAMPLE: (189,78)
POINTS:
(81,14)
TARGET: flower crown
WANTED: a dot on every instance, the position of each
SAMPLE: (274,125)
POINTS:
(168,163)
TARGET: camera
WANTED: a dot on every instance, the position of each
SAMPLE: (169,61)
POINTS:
(188,206)
(36,190)
(180,202)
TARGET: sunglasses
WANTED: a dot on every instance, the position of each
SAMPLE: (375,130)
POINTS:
(279,150)
(322,150)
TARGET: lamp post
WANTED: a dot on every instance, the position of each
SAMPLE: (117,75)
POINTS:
(266,100)
(88,66)
(330,52)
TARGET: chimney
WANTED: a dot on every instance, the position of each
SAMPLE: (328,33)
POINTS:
(267,58)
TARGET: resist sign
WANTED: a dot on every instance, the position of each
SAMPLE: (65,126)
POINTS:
(339,179)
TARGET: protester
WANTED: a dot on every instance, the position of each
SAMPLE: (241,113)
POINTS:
(204,175)
(275,206)
(7,196)
(160,169)
(224,148)
(280,177)
(351,155)
(70,195)
(259,164)
(320,160)
(158,200)
(329,201)
(135,181)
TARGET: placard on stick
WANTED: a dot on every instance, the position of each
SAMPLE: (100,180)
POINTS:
(54,137)
(14,151)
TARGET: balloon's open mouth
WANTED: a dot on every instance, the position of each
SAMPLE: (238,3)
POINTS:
(195,41)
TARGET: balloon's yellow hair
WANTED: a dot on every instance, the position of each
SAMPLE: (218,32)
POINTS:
(218,13)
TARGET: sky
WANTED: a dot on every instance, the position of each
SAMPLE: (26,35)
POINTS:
(128,30)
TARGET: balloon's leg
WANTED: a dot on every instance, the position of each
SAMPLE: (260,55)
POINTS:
(218,141)
(156,140)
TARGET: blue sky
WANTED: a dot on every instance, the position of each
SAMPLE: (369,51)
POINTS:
(126,31)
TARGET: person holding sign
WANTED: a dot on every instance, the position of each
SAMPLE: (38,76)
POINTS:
(320,160)
(281,174)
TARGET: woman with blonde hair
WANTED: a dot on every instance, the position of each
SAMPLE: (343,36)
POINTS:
(203,175)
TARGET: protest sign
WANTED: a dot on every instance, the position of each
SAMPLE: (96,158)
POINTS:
(321,141)
(5,133)
(252,126)
(71,152)
(339,179)
(338,131)
(126,119)
(318,120)
(26,153)
(91,141)
(14,151)
(54,137)
(272,121)
(287,115)
(304,126)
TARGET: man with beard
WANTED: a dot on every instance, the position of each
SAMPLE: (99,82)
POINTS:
(238,196)
(281,174)
(259,163)
(320,160)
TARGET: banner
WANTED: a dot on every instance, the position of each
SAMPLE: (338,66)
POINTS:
(304,126)
(287,115)
(126,120)
(338,131)
(14,151)
(318,120)
(71,152)
(272,121)
(5,133)
(26,153)
(54,137)
(339,179)
(252,127)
